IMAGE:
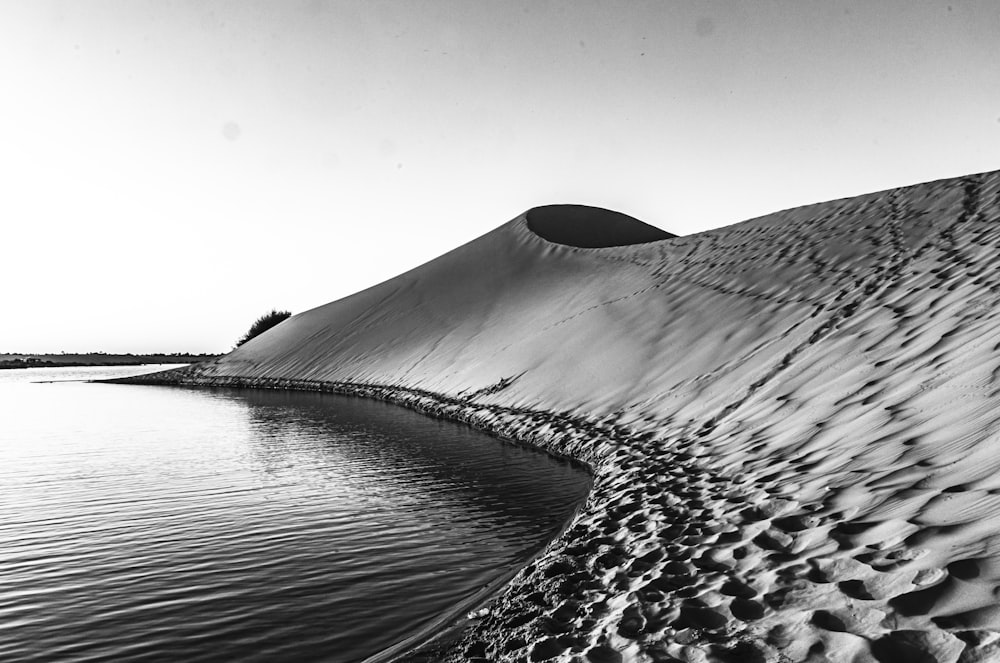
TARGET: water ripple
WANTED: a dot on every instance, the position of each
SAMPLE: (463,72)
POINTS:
(140,523)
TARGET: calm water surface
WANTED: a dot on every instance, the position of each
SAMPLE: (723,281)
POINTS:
(157,523)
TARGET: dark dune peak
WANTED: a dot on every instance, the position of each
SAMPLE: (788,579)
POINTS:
(590,227)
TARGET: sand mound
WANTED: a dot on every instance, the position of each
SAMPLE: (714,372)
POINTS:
(793,422)
(590,227)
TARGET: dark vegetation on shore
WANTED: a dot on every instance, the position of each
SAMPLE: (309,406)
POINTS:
(16,360)
(263,323)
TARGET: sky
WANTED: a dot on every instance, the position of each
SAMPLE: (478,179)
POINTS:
(172,169)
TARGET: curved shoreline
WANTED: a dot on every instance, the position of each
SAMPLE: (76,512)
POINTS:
(613,525)
(448,629)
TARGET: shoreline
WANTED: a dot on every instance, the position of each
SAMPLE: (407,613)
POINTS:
(72,364)
(21,361)
(447,631)
(551,581)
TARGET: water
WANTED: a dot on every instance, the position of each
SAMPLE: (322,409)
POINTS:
(157,523)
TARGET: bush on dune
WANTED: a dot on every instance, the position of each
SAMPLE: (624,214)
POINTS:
(263,323)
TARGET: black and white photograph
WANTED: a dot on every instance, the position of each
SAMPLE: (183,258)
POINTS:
(500,331)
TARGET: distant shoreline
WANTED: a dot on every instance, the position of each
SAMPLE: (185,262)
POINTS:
(15,361)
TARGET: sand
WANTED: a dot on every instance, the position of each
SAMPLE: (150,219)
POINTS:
(792,422)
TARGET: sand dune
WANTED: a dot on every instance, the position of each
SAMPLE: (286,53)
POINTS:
(792,421)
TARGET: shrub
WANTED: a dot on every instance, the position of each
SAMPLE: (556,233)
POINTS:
(263,323)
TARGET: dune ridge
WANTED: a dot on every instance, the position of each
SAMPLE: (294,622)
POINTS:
(792,424)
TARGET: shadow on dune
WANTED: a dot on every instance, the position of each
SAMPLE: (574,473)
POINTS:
(590,227)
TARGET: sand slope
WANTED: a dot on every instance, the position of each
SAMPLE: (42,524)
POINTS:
(793,423)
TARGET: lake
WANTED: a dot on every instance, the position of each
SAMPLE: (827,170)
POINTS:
(163,523)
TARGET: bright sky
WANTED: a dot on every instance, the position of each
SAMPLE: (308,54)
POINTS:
(170,170)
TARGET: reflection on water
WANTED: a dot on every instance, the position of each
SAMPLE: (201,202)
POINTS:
(160,523)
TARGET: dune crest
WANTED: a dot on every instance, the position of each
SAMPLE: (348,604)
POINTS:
(793,423)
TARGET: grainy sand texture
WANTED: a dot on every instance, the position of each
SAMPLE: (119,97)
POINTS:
(793,422)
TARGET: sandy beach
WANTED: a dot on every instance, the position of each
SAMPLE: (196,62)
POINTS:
(792,421)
